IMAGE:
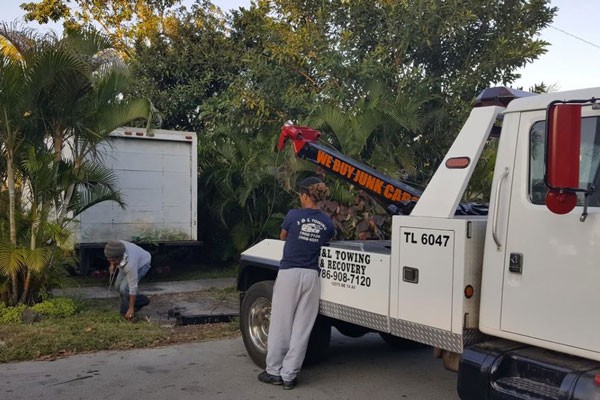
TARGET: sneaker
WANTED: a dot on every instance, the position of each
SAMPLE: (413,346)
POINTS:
(289,385)
(141,304)
(268,378)
(138,308)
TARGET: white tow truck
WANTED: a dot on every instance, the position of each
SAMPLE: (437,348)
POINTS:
(508,300)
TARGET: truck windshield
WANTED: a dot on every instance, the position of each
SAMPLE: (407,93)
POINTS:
(588,167)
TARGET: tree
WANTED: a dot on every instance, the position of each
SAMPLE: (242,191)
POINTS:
(14,111)
(293,59)
(123,21)
(71,96)
(180,67)
(316,61)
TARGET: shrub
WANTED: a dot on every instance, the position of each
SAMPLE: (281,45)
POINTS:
(57,307)
(11,314)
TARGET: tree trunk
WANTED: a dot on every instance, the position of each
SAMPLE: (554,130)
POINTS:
(33,243)
(58,144)
(10,177)
(26,286)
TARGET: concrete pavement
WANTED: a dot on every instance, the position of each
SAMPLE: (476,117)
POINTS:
(356,369)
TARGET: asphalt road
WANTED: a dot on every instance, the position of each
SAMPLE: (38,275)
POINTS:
(363,368)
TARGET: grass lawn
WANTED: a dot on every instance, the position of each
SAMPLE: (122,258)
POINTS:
(95,327)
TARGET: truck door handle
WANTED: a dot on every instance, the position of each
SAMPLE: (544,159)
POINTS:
(496,208)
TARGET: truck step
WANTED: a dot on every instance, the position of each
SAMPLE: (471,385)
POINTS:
(529,387)
(505,370)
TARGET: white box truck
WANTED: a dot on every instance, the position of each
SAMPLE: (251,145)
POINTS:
(507,300)
(156,174)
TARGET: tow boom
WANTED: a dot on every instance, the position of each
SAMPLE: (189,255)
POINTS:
(395,196)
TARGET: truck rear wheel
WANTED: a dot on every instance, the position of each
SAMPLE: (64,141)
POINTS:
(255,317)
(319,341)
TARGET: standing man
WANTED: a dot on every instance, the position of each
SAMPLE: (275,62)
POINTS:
(133,264)
(297,287)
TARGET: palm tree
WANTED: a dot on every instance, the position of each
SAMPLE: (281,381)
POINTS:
(68,95)
(379,129)
(247,198)
(380,122)
(14,110)
(79,105)
(39,169)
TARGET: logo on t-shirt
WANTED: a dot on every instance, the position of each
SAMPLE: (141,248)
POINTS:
(310,229)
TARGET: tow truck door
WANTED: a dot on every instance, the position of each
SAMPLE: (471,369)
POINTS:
(551,278)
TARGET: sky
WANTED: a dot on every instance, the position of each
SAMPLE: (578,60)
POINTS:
(572,60)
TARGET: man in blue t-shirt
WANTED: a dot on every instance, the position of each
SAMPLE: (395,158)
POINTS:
(297,288)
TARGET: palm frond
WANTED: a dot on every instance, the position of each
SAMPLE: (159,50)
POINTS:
(92,195)
(38,259)
(87,41)
(16,42)
(115,115)
(12,258)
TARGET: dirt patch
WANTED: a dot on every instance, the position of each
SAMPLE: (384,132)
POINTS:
(164,308)
(201,333)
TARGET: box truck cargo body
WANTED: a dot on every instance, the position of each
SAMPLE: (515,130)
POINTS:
(156,175)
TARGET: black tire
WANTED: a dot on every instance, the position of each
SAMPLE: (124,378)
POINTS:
(319,341)
(400,343)
(351,330)
(255,316)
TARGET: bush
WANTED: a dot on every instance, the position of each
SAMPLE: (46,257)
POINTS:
(11,314)
(58,307)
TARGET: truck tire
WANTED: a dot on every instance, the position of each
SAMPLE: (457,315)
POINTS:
(319,341)
(400,343)
(351,330)
(255,317)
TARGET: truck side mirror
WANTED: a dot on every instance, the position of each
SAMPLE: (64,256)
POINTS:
(563,138)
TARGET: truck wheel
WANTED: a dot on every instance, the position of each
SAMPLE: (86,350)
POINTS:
(400,343)
(351,330)
(319,341)
(255,317)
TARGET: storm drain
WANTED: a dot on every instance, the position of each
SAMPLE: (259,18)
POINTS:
(197,319)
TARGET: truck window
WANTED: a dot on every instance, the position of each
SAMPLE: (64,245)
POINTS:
(588,168)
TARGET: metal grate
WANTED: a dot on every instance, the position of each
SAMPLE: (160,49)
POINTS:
(537,390)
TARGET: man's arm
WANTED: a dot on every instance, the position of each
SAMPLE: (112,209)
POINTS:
(132,281)
(283,234)
(131,309)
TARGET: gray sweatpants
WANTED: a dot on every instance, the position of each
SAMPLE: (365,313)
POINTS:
(293,314)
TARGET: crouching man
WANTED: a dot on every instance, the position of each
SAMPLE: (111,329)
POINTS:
(133,263)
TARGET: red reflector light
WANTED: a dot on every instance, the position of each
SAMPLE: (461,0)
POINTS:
(458,162)
(139,133)
(597,380)
(128,133)
(560,202)
(188,137)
